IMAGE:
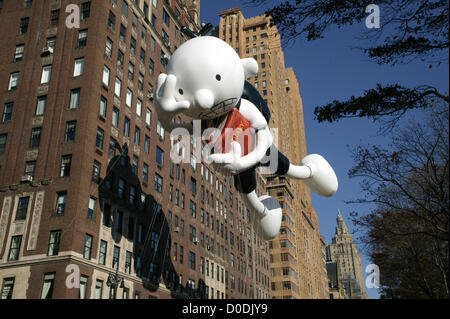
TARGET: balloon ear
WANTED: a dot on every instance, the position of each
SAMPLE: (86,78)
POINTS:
(250,67)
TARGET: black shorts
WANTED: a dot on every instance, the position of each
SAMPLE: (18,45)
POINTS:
(245,182)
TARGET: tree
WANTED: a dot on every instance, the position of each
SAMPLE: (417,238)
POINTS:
(407,232)
(409,30)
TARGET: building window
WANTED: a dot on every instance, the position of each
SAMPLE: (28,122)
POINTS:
(91,207)
(69,135)
(112,148)
(22,208)
(54,18)
(102,252)
(35,137)
(14,248)
(115,117)
(78,67)
(82,38)
(124,9)
(116,255)
(181,254)
(151,67)
(160,130)
(138,107)
(128,262)
(13,81)
(166,18)
(133,45)
(111,20)
(87,246)
(51,43)
(98,289)
(192,260)
(83,287)
(193,186)
(145,10)
(117,87)
(105,77)
(142,56)
(147,144)
(159,156)
(99,138)
(96,171)
(85,10)
(3,138)
(53,243)
(66,161)
(158,183)
(74,98)
(122,33)
(18,53)
(61,199)
(129,97)
(108,47)
(152,44)
(28,3)
(120,57)
(29,168)
(145,173)
(148,116)
(164,57)
(137,135)
(130,71)
(7,288)
(140,82)
(40,105)
(7,112)
(103,106)
(46,73)
(24,25)
(126,127)
(47,286)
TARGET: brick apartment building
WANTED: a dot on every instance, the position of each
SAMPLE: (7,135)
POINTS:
(86,177)
(296,255)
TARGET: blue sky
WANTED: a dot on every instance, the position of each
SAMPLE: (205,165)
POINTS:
(331,69)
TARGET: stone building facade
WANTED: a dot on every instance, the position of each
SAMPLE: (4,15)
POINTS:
(345,274)
(86,178)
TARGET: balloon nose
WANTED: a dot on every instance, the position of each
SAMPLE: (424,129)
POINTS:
(204,99)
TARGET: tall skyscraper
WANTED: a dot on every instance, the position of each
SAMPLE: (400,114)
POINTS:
(86,177)
(297,266)
(344,265)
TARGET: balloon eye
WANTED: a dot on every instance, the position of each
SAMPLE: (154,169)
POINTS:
(180,91)
(218,77)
